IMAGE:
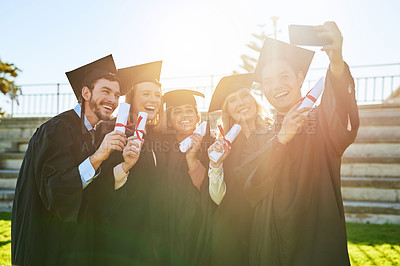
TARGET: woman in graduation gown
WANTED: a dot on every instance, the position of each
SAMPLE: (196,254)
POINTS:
(233,218)
(185,172)
(124,233)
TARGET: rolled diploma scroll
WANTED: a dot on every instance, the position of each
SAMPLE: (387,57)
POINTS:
(141,126)
(187,143)
(313,95)
(122,118)
(230,136)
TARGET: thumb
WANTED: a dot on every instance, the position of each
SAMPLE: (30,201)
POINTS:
(294,107)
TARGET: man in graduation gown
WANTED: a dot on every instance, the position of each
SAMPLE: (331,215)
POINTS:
(52,204)
(184,177)
(294,183)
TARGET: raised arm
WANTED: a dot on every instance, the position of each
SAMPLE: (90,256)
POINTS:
(338,109)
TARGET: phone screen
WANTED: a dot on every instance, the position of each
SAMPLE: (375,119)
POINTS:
(305,35)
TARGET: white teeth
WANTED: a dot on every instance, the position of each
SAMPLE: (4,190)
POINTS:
(152,108)
(107,107)
(244,110)
(185,122)
(281,94)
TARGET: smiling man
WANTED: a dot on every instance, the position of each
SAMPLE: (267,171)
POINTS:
(52,204)
(295,181)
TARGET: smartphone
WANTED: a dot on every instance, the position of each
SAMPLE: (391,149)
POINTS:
(305,35)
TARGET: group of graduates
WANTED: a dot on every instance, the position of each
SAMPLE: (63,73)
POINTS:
(88,194)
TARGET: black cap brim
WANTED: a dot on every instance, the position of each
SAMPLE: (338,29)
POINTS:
(84,75)
(181,97)
(133,75)
(299,58)
(228,85)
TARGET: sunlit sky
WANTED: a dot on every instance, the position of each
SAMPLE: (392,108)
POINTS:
(47,38)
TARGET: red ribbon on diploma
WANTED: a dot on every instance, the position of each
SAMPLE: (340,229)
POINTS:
(221,130)
(137,130)
(125,126)
(308,96)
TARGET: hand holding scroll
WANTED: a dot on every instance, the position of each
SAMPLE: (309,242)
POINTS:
(228,139)
(219,146)
(131,153)
(191,154)
(115,140)
(293,120)
(195,147)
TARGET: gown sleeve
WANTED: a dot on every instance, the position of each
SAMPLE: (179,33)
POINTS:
(56,172)
(339,112)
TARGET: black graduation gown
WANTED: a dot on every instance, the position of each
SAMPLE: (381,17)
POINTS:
(51,210)
(299,217)
(123,227)
(184,216)
(233,218)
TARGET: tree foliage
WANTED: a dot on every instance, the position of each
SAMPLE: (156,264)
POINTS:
(8,73)
(249,61)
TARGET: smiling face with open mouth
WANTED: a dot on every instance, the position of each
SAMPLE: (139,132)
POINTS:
(241,105)
(281,85)
(103,99)
(183,119)
(147,98)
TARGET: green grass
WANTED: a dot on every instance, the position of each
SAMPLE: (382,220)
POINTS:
(369,244)
(372,244)
(5,238)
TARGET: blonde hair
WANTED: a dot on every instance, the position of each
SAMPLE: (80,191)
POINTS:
(228,121)
(156,122)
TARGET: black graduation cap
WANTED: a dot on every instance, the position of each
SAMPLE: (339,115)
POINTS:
(299,58)
(181,97)
(86,74)
(133,75)
(226,86)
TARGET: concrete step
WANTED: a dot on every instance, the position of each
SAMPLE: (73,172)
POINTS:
(372,153)
(22,122)
(378,134)
(370,169)
(8,183)
(6,199)
(22,147)
(371,194)
(8,178)
(15,133)
(5,146)
(379,114)
(371,182)
(371,207)
(372,212)
(9,173)
(11,160)
(374,189)
(13,144)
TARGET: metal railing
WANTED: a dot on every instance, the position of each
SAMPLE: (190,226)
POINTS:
(53,98)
